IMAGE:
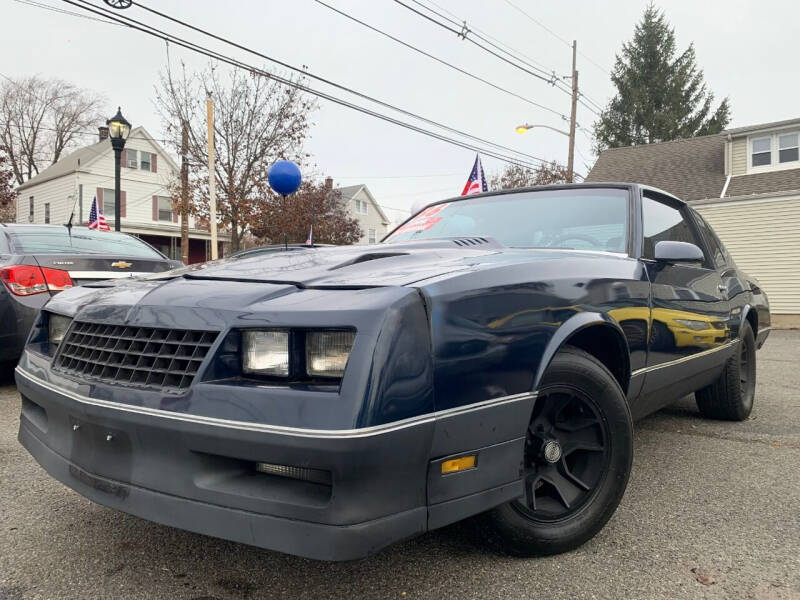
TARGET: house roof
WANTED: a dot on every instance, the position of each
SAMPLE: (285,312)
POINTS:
(350,191)
(691,169)
(82,158)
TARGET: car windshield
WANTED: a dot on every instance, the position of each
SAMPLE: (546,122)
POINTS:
(55,240)
(581,219)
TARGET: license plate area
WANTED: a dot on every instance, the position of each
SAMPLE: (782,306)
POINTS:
(101,450)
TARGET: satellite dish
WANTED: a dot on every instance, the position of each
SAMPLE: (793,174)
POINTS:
(120,4)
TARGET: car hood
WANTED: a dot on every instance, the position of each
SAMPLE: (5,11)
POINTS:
(350,266)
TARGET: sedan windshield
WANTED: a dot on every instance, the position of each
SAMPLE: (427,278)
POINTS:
(55,240)
(581,219)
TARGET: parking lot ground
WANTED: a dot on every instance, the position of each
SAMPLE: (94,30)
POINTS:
(712,511)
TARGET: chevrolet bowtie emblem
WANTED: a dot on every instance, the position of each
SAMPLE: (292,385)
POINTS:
(121,264)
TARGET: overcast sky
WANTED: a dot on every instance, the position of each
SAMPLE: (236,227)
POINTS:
(745,49)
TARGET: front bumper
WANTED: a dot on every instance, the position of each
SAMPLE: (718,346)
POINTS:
(385,482)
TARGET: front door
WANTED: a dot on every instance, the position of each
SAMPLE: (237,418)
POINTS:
(689,311)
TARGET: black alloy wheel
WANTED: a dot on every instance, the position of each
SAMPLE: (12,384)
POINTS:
(732,395)
(576,460)
(565,454)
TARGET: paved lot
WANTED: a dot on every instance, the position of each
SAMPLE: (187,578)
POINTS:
(714,501)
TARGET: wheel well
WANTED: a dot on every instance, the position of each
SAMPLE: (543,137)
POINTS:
(752,318)
(607,346)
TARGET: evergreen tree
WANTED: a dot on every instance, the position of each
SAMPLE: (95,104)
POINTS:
(660,96)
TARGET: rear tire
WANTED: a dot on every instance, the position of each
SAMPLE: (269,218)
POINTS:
(578,456)
(730,398)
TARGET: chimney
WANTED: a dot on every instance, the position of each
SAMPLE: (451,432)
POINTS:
(328,183)
(103,133)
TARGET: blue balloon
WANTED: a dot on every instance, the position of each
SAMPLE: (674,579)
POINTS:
(284,177)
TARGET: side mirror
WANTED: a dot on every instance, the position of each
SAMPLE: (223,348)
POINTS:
(677,252)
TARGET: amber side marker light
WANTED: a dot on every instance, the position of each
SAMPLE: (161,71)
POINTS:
(462,463)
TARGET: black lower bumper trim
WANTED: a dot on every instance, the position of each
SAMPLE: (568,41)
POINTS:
(311,540)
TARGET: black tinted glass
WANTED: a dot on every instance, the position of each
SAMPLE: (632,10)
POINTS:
(582,219)
(42,240)
(663,223)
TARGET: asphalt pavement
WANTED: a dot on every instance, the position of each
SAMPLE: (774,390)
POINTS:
(712,511)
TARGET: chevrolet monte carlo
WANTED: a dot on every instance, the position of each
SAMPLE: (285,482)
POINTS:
(487,358)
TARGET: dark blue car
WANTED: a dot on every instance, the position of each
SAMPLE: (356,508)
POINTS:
(487,358)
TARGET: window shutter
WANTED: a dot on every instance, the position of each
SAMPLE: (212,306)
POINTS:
(123,158)
(155,208)
(154,162)
(100,199)
(123,205)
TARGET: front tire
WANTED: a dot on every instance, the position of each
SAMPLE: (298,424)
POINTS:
(730,398)
(578,455)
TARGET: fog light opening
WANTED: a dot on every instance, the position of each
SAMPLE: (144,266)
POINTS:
(300,473)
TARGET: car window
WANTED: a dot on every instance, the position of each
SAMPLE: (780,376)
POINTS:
(55,240)
(582,219)
(714,245)
(662,222)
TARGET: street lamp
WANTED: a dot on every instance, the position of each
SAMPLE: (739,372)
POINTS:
(525,127)
(118,130)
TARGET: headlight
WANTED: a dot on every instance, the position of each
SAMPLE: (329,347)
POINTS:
(57,327)
(266,352)
(693,325)
(327,352)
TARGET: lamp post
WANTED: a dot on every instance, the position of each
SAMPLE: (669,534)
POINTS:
(118,130)
(524,129)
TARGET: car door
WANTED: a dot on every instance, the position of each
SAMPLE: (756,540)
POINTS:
(689,310)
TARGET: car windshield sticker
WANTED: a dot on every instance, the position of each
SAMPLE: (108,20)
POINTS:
(424,220)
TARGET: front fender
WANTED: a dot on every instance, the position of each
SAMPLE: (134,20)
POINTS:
(570,330)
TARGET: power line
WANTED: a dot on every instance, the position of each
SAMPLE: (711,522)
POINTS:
(555,35)
(304,73)
(463,35)
(494,42)
(439,60)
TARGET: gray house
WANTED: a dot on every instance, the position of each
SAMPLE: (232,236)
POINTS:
(366,210)
(746,183)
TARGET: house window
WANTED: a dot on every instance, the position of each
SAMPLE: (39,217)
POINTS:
(47,213)
(164,209)
(371,236)
(30,209)
(109,207)
(132,159)
(145,162)
(788,148)
(361,207)
(761,152)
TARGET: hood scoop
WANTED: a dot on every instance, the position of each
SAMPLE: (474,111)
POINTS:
(445,243)
(475,241)
(366,258)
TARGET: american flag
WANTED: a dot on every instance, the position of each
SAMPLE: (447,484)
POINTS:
(96,218)
(477,180)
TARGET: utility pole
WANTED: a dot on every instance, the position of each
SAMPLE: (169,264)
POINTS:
(571,155)
(184,194)
(212,194)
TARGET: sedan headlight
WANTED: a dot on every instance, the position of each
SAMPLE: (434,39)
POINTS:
(266,352)
(693,325)
(57,326)
(327,352)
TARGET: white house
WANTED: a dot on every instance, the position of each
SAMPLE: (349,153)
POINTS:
(68,187)
(365,209)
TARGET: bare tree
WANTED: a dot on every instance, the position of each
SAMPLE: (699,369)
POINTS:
(41,119)
(515,176)
(256,122)
(8,205)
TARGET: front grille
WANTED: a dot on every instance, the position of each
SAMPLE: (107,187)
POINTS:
(144,357)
